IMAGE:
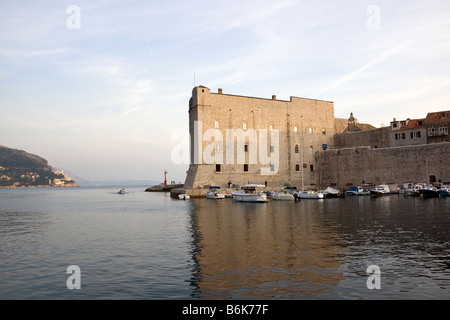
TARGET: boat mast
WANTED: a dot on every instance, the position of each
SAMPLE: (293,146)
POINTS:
(302,159)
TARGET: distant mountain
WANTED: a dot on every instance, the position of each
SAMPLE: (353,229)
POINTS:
(82,182)
(19,168)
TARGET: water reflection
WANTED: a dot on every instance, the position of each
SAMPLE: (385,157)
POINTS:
(321,249)
(274,250)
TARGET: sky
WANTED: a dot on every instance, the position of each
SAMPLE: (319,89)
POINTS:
(101,88)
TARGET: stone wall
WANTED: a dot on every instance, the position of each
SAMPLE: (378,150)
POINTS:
(396,165)
(303,126)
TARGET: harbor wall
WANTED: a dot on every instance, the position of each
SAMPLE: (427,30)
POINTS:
(346,167)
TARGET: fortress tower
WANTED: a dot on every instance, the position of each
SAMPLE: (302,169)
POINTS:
(244,140)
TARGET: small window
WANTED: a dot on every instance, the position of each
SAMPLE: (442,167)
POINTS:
(272,167)
(272,149)
(217,124)
(311,149)
(245,126)
(245,147)
(324,131)
(271,127)
(310,130)
(431,131)
(297,167)
(296,149)
(295,129)
(245,167)
(311,167)
(218,168)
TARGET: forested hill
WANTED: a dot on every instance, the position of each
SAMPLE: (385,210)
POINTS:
(22,169)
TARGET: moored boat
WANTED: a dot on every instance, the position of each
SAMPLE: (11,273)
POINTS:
(380,190)
(357,191)
(309,195)
(184,196)
(283,195)
(413,190)
(213,193)
(429,192)
(250,193)
(444,191)
(330,193)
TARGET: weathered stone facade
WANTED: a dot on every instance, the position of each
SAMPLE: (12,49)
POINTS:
(303,126)
(311,149)
(346,167)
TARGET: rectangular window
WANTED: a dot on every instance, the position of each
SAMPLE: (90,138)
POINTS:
(245,147)
(217,124)
(218,168)
(272,149)
(271,127)
(297,167)
(324,131)
(311,167)
(272,167)
(295,129)
(245,167)
(244,126)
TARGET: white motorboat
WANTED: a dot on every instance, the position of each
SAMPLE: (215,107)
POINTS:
(414,190)
(184,196)
(379,190)
(283,195)
(309,195)
(250,193)
(213,193)
(330,193)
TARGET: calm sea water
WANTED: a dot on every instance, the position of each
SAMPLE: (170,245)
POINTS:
(149,246)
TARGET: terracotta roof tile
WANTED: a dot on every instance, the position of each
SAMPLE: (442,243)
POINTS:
(437,117)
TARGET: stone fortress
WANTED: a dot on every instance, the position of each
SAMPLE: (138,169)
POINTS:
(240,140)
